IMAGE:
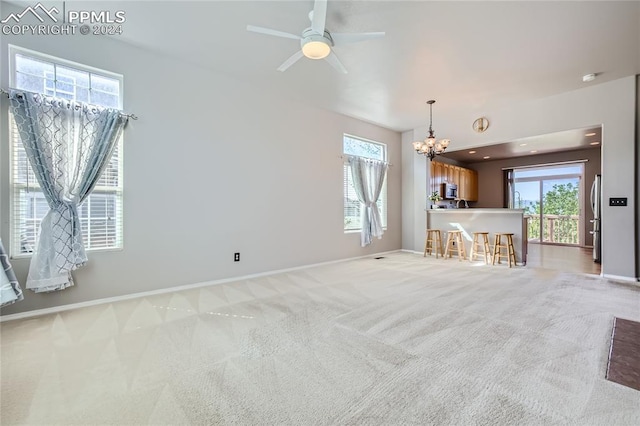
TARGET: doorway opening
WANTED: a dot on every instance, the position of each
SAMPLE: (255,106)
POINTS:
(552,198)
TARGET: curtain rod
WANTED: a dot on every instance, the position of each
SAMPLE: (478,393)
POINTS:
(560,163)
(346,156)
(131,116)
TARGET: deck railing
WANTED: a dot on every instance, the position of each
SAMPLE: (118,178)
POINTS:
(556,228)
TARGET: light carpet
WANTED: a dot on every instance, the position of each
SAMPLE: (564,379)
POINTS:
(401,340)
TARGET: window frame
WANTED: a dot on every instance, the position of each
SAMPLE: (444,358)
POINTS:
(14,187)
(383,192)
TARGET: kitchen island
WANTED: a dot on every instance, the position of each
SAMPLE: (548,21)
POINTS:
(482,220)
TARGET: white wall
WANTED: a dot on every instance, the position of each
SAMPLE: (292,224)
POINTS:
(611,105)
(212,167)
(415,175)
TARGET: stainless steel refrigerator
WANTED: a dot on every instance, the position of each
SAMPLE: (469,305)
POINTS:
(596,206)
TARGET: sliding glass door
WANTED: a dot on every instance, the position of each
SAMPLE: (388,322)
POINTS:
(560,211)
(551,197)
(527,197)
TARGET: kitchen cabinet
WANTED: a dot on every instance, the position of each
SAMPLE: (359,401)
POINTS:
(468,185)
(463,184)
(450,174)
(466,179)
(473,186)
(454,174)
(437,175)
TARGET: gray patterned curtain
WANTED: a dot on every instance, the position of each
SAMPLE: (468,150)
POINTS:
(10,291)
(68,144)
(368,177)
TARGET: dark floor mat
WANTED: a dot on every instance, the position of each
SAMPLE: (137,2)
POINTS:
(624,355)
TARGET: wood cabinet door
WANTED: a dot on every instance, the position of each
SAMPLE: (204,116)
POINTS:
(439,174)
(456,175)
(463,186)
(433,179)
(467,181)
(473,186)
(448,171)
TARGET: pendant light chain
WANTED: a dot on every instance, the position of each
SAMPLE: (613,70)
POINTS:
(431,136)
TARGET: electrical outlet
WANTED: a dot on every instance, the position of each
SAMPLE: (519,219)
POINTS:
(618,202)
(236,257)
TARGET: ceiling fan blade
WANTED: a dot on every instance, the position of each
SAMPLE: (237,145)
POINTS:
(271,32)
(335,62)
(319,16)
(292,60)
(344,38)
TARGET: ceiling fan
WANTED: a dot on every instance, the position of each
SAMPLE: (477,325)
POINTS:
(316,42)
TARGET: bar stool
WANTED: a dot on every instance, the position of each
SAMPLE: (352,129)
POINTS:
(454,237)
(484,244)
(510,255)
(433,236)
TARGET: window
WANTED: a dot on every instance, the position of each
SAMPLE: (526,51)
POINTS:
(101,212)
(354,146)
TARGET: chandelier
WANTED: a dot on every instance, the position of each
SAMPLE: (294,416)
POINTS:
(429,146)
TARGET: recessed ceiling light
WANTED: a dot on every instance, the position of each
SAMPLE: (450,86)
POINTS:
(534,151)
(594,143)
(588,77)
(591,134)
(486,157)
(523,144)
(472,152)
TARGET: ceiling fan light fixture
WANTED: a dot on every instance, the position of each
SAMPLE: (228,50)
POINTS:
(315,49)
(316,42)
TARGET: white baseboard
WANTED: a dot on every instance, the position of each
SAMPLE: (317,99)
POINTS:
(62,308)
(621,278)
(411,251)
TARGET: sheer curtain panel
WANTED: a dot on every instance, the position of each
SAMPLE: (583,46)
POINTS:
(68,144)
(368,177)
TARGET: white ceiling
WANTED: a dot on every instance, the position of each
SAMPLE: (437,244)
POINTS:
(473,53)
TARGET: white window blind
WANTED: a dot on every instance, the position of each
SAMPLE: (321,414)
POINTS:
(101,213)
(358,147)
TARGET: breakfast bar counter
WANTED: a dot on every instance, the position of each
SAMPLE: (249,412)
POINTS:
(483,220)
